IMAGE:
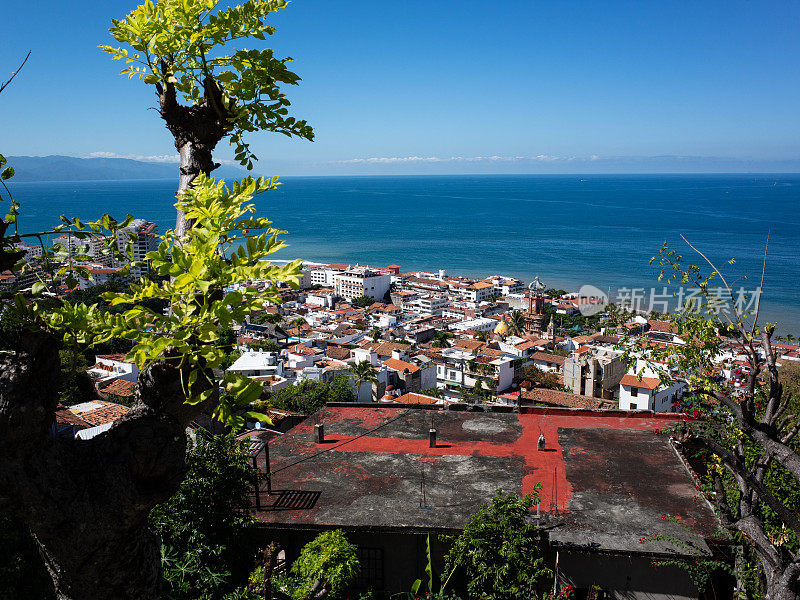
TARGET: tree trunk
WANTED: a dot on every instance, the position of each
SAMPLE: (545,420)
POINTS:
(195,159)
(781,586)
(197,130)
(86,502)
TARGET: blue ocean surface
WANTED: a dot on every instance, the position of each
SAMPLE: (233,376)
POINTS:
(598,230)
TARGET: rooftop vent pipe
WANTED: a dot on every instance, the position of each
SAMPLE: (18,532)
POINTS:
(432,437)
(319,433)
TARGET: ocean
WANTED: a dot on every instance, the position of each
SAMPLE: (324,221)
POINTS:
(598,230)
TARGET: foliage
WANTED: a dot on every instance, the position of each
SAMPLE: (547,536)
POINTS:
(22,572)
(432,391)
(327,561)
(435,587)
(554,293)
(209,539)
(541,378)
(745,441)
(699,567)
(264,318)
(516,323)
(362,301)
(440,339)
(200,266)
(181,44)
(76,384)
(309,396)
(499,552)
(363,372)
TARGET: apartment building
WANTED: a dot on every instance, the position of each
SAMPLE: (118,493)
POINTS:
(461,368)
(361,281)
(142,237)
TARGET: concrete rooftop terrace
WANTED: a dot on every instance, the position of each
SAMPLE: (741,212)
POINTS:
(608,477)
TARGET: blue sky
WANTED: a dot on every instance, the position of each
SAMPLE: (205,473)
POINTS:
(445,86)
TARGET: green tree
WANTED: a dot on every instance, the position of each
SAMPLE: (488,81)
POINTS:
(327,565)
(540,378)
(440,339)
(499,552)
(187,49)
(362,301)
(76,384)
(363,372)
(263,318)
(308,397)
(747,440)
(516,323)
(208,535)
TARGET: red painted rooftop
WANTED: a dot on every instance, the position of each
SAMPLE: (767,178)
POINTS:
(606,476)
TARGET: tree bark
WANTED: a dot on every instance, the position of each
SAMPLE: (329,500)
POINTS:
(86,502)
(197,130)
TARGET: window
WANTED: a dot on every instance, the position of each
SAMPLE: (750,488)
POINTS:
(634,392)
(370,574)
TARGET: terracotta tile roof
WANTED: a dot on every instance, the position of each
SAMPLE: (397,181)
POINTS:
(547,357)
(301,349)
(337,352)
(120,387)
(117,357)
(469,344)
(411,398)
(66,417)
(559,398)
(648,383)
(107,412)
(400,365)
(526,345)
(385,348)
(663,326)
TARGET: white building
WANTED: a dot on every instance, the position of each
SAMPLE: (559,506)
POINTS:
(109,367)
(505,285)
(361,281)
(256,363)
(429,305)
(473,292)
(461,368)
(482,324)
(322,275)
(649,393)
(142,237)
(99,274)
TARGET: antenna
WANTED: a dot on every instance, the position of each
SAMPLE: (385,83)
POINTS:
(423,500)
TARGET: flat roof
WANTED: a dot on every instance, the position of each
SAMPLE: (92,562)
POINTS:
(607,477)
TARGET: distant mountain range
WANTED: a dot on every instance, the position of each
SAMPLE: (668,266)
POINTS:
(70,168)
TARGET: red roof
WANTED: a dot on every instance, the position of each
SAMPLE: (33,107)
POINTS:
(120,387)
(648,383)
(301,349)
(411,398)
(400,365)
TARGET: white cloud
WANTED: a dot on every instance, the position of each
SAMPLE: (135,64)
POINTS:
(457,159)
(156,158)
(160,158)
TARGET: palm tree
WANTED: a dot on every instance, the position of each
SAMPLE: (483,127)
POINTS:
(516,323)
(375,334)
(362,372)
(299,321)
